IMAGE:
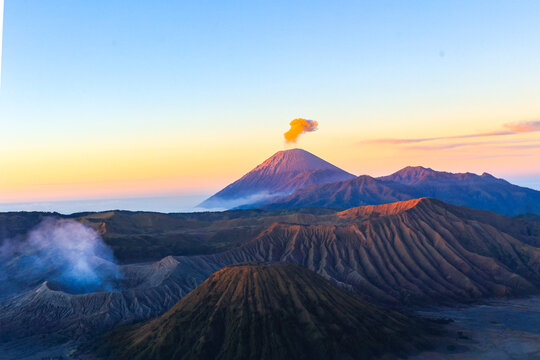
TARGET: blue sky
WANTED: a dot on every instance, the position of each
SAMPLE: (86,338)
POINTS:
(217,77)
(244,63)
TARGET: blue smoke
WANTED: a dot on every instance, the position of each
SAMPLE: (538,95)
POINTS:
(68,254)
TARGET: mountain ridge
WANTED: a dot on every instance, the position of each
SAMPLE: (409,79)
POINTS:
(413,175)
(484,192)
(268,311)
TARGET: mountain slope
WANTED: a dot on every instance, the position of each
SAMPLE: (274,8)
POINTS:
(362,190)
(413,175)
(138,236)
(280,174)
(421,251)
(476,191)
(52,314)
(261,311)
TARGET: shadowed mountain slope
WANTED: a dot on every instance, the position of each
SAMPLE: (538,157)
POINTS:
(136,236)
(416,252)
(362,190)
(144,236)
(261,311)
(15,224)
(476,191)
(279,175)
(529,217)
(413,252)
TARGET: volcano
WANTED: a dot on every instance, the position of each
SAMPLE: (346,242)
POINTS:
(279,175)
(264,311)
(295,179)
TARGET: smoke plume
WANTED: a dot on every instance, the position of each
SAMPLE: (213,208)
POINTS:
(299,126)
(66,253)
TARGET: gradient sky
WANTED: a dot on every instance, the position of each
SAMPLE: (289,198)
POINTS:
(109,99)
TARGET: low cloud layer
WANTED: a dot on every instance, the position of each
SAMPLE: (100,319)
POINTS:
(298,127)
(219,204)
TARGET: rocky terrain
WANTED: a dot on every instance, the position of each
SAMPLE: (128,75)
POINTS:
(407,253)
(263,311)
(149,236)
(495,329)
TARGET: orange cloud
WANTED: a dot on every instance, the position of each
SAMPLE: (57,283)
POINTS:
(512,144)
(299,126)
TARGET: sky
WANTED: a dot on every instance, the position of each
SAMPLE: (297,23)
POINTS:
(111,99)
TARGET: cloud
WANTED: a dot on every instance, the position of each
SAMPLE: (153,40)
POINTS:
(518,147)
(219,204)
(507,144)
(523,127)
(299,126)
(496,156)
(509,129)
(443,146)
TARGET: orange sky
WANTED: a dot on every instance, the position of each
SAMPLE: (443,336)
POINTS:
(164,166)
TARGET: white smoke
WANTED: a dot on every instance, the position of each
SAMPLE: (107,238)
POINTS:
(220,204)
(64,252)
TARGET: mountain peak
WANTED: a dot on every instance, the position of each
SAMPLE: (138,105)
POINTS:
(280,174)
(411,174)
(268,311)
(416,170)
(293,160)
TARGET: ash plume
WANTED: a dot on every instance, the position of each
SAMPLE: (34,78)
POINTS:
(66,253)
(298,127)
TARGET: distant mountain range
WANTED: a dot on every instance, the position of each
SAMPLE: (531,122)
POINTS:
(267,311)
(295,179)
